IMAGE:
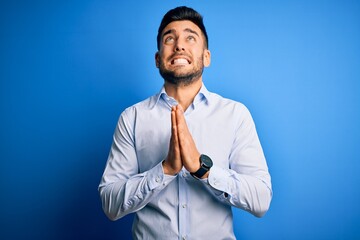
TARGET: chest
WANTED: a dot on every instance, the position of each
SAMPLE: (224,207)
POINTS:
(213,136)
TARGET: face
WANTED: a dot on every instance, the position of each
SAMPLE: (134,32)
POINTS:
(182,55)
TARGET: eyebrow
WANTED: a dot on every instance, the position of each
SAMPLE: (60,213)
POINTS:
(191,31)
(185,30)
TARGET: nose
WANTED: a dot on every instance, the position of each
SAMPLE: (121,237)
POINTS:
(179,49)
(179,46)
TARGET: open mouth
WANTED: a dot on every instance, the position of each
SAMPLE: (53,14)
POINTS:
(180,61)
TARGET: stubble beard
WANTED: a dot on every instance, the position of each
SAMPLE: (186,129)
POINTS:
(186,78)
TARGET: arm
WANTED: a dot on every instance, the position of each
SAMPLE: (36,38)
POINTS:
(122,189)
(247,183)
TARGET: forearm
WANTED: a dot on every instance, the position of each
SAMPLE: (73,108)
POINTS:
(251,193)
(125,196)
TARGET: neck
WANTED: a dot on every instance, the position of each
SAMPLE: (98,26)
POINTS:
(184,94)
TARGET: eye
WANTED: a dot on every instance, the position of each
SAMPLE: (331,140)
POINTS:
(169,39)
(190,38)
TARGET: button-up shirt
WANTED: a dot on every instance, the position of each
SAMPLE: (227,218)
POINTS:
(181,206)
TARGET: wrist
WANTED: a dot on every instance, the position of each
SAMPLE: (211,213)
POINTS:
(205,165)
(168,170)
(206,175)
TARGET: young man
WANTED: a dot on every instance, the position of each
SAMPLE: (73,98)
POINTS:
(182,158)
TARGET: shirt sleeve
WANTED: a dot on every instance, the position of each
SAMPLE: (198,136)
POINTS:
(122,189)
(246,184)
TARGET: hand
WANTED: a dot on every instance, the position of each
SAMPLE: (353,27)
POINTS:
(173,164)
(188,151)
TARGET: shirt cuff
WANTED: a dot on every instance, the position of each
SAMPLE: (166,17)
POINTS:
(156,177)
(218,180)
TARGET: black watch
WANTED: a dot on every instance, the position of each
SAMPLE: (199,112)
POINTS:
(205,165)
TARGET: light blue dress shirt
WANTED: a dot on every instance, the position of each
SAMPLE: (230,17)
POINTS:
(182,207)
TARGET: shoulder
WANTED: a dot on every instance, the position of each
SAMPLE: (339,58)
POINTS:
(129,115)
(233,111)
(144,105)
(221,102)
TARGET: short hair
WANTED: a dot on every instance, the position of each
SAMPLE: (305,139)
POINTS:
(180,14)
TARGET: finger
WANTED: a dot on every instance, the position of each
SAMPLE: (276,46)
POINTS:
(172,163)
(174,132)
(179,114)
(173,120)
(179,107)
(184,137)
(174,135)
(188,151)
(181,122)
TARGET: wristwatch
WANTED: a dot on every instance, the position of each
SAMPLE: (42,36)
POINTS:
(205,165)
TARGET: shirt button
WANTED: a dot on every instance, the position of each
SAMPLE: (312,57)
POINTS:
(157,179)
(183,238)
(184,205)
(184,174)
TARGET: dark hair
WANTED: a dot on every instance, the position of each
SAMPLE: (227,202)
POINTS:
(180,14)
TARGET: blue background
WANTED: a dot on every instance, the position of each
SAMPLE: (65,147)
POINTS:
(69,68)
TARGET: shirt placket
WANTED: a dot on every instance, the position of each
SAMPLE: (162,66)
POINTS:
(184,217)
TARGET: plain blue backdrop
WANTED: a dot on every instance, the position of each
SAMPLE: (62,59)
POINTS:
(69,68)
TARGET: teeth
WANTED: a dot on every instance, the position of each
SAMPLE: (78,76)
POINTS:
(180,61)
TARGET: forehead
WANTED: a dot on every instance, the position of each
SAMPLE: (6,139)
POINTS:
(182,26)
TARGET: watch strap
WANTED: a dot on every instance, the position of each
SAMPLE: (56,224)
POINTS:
(205,165)
(200,173)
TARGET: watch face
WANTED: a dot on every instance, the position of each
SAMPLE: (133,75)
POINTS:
(206,161)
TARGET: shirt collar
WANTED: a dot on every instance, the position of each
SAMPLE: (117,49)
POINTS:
(203,95)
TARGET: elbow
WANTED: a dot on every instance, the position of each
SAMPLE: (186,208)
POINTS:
(263,205)
(109,212)
(111,216)
(259,204)
(108,206)
(259,213)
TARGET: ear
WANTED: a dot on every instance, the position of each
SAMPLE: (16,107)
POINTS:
(207,57)
(157,59)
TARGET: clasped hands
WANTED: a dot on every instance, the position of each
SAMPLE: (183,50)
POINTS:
(182,148)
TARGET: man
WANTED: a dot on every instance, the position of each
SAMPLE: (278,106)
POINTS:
(182,158)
